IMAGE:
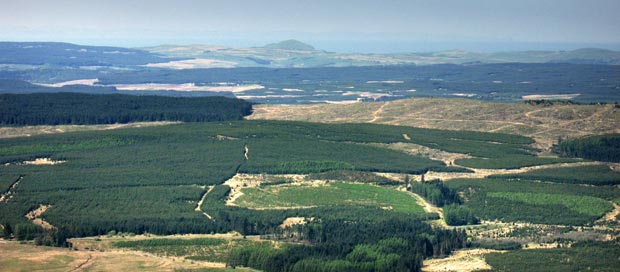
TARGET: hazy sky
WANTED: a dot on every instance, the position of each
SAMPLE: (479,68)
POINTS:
(356,25)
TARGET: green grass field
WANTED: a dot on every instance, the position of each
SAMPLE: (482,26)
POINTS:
(592,206)
(535,202)
(332,194)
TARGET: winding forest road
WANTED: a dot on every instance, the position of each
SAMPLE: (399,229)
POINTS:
(202,199)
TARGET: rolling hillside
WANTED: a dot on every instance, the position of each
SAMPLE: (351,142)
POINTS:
(543,123)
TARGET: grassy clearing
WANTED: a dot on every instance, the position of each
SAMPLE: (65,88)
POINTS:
(588,205)
(332,194)
(535,202)
(589,174)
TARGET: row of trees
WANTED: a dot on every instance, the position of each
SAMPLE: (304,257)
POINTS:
(599,148)
(79,109)
(457,215)
(435,192)
(440,195)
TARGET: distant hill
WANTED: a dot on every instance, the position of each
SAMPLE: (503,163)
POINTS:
(66,54)
(290,45)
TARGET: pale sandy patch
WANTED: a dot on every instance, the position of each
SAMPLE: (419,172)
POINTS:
(541,245)
(225,138)
(371,95)
(27,131)
(549,96)
(341,102)
(292,90)
(267,96)
(193,64)
(42,161)
(186,87)
(240,181)
(291,221)
(385,81)
(460,260)
(436,154)
(35,216)
(463,94)
(89,82)
(25,257)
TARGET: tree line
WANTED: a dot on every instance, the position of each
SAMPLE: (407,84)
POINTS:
(81,109)
(599,148)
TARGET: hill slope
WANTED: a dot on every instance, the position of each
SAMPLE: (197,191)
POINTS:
(66,54)
(543,123)
(290,45)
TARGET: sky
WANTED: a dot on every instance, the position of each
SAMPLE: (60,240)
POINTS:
(342,26)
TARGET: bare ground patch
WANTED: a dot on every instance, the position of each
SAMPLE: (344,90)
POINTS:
(613,215)
(35,216)
(27,131)
(292,221)
(460,260)
(25,257)
(430,208)
(43,161)
(202,199)
(414,149)
(240,181)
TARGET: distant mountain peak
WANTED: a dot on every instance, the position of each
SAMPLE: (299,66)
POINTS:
(290,45)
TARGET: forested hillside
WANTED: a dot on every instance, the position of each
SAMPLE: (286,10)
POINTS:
(169,180)
(77,109)
(600,148)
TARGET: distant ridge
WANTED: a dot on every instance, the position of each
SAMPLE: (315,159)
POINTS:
(285,54)
(74,55)
(290,45)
